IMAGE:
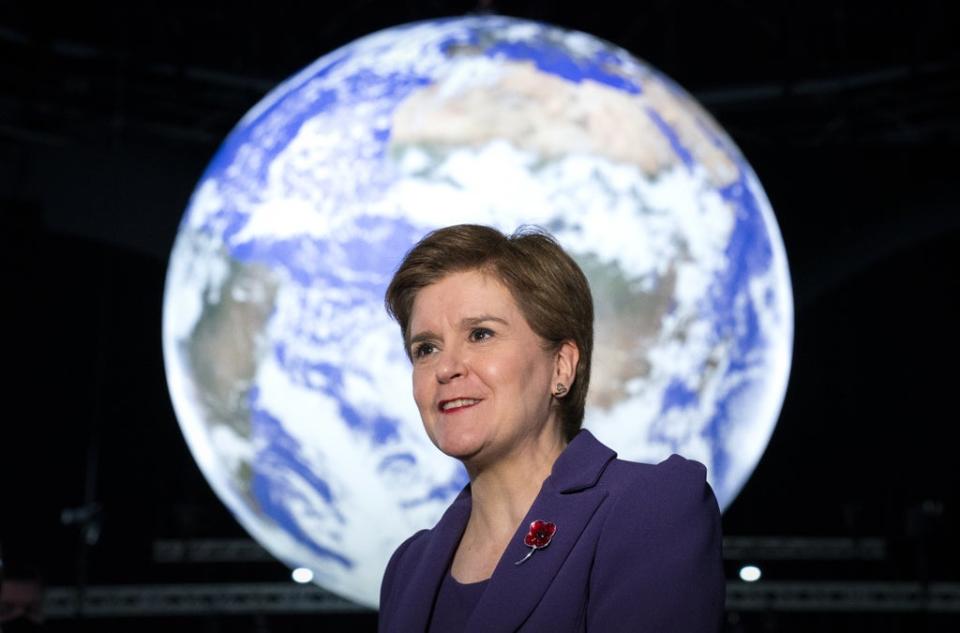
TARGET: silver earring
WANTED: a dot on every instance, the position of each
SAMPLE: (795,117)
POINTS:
(561,389)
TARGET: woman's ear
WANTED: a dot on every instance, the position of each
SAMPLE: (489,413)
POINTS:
(567,359)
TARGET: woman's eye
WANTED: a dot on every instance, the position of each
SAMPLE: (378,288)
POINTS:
(480,334)
(423,349)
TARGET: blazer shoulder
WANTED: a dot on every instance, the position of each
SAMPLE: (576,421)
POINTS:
(674,473)
(658,564)
(400,561)
(415,542)
(409,551)
(676,487)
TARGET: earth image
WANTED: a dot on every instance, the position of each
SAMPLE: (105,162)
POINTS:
(290,382)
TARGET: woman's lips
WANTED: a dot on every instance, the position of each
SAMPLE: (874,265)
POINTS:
(456,404)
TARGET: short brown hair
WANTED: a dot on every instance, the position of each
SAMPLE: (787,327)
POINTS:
(550,289)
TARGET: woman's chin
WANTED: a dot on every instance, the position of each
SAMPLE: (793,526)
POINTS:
(462,448)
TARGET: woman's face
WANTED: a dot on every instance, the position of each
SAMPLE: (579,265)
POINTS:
(481,377)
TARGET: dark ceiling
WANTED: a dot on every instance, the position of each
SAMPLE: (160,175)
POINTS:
(848,111)
(180,76)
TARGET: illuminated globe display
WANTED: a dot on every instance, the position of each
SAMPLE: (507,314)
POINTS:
(289,380)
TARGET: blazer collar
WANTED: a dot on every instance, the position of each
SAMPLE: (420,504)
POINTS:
(580,465)
(569,497)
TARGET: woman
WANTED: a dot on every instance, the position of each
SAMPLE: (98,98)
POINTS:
(553,533)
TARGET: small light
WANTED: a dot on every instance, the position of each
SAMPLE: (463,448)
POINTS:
(750,573)
(302,575)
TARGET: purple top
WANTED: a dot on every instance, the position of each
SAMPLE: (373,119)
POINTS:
(455,604)
(637,548)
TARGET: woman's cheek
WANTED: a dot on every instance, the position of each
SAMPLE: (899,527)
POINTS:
(419,389)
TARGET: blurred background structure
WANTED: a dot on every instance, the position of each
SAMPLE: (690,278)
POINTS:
(850,114)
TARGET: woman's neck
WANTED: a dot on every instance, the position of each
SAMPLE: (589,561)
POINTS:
(502,492)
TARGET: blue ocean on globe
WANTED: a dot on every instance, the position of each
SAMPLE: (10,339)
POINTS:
(290,382)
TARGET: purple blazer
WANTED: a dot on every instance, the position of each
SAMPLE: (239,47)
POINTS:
(637,548)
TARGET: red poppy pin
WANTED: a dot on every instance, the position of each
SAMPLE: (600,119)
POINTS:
(539,536)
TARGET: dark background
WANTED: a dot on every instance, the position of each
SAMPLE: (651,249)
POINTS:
(849,112)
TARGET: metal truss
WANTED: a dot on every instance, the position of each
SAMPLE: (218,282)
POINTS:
(843,596)
(801,548)
(275,598)
(757,548)
(193,599)
(210,551)
(290,598)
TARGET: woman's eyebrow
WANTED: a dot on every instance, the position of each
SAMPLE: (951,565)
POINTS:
(465,323)
(422,336)
(472,321)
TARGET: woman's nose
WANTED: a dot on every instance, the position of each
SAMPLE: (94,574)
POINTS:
(451,366)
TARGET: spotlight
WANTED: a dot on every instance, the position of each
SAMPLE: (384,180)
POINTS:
(750,573)
(302,575)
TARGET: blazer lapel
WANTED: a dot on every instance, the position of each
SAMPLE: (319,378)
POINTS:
(569,499)
(416,600)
